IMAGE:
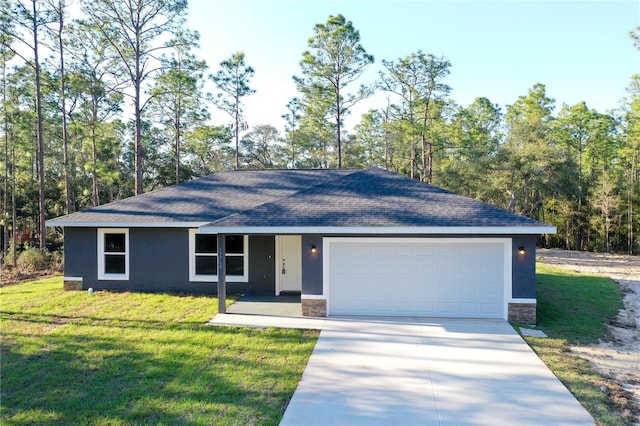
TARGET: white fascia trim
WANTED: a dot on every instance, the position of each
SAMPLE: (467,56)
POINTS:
(338,230)
(529,301)
(313,297)
(72,278)
(74,224)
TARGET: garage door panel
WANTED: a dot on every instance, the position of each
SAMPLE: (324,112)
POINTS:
(409,278)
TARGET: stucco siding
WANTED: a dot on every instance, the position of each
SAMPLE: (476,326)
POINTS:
(523,272)
(312,265)
(159,262)
(81,254)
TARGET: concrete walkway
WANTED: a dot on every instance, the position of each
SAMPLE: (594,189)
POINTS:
(383,371)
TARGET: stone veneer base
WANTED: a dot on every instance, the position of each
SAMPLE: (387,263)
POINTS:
(522,312)
(72,283)
(314,307)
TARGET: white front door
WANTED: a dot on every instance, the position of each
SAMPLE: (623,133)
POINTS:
(288,263)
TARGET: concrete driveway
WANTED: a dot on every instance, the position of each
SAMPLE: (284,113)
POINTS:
(428,372)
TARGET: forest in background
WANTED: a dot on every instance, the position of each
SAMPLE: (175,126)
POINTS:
(111,104)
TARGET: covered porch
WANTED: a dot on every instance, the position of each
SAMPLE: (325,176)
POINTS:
(276,267)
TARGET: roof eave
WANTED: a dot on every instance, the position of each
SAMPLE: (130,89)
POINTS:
(407,230)
(124,224)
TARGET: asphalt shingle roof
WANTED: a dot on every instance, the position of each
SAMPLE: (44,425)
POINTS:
(304,198)
(206,199)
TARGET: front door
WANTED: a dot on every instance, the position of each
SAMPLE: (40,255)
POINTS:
(288,263)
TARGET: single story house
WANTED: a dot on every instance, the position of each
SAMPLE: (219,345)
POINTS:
(351,242)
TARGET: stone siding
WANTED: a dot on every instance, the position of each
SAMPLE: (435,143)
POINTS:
(522,312)
(314,307)
(72,283)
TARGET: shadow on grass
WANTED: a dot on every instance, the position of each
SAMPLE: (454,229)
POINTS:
(100,321)
(576,307)
(148,372)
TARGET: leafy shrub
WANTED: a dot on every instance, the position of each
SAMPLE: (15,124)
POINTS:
(32,260)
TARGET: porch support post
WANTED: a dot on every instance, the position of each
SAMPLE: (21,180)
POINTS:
(222,276)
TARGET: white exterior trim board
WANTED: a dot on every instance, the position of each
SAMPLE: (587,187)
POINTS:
(528,301)
(313,297)
(372,230)
(79,224)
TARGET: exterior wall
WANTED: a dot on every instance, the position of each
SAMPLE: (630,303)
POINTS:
(312,265)
(159,262)
(523,271)
(81,255)
(523,266)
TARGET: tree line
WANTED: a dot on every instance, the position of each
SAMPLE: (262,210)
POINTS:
(112,103)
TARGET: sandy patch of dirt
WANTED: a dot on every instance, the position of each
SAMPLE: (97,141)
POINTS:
(617,356)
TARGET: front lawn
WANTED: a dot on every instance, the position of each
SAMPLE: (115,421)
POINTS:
(129,358)
(573,309)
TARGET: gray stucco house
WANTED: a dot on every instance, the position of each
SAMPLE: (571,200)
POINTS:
(351,242)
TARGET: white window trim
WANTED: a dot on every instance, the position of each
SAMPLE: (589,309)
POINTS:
(214,278)
(101,253)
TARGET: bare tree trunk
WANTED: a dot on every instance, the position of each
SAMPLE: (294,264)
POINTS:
(427,147)
(631,186)
(430,170)
(178,142)
(59,8)
(237,133)
(5,204)
(629,221)
(423,170)
(13,205)
(40,133)
(138,119)
(138,143)
(413,160)
(95,196)
(338,117)
(386,135)
(293,151)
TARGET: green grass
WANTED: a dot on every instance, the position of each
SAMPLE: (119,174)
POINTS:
(573,309)
(130,358)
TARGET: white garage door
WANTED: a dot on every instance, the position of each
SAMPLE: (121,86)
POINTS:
(421,277)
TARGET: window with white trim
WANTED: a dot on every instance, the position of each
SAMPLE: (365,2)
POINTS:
(113,254)
(203,257)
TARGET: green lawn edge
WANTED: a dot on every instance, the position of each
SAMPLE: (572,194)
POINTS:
(573,309)
(137,358)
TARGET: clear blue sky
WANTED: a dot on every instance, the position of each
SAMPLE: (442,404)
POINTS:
(580,50)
